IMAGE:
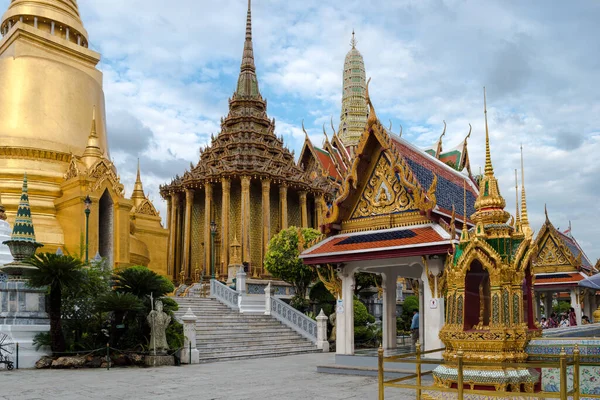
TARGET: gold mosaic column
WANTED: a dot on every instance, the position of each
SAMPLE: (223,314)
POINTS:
(303,211)
(172,235)
(245,217)
(318,211)
(283,207)
(207,217)
(266,212)
(189,200)
(226,188)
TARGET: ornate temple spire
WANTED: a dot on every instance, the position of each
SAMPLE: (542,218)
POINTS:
(517,217)
(247,82)
(355,112)
(489,206)
(92,151)
(23,227)
(138,189)
(524,217)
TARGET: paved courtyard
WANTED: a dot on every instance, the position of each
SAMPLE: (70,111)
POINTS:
(282,378)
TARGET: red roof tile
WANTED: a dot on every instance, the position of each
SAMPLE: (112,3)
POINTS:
(376,241)
(327,163)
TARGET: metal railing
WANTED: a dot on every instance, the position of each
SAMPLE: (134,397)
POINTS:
(293,318)
(224,294)
(562,364)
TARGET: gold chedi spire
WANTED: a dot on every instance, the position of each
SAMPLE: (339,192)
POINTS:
(524,217)
(55,16)
(489,206)
(247,82)
(517,217)
(138,189)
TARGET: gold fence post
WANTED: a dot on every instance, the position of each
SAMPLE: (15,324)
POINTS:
(460,354)
(563,374)
(418,346)
(576,373)
(380,371)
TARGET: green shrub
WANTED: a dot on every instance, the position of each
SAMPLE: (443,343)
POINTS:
(361,314)
(174,334)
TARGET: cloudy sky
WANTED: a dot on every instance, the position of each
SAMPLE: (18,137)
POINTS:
(169,68)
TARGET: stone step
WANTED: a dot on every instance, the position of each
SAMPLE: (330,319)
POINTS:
(243,356)
(250,341)
(247,349)
(242,329)
(239,324)
(220,336)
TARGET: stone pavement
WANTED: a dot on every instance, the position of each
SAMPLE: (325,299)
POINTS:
(281,378)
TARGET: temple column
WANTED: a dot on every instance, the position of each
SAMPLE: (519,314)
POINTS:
(245,217)
(187,222)
(266,214)
(537,307)
(588,306)
(225,203)
(318,211)
(207,218)
(172,212)
(303,210)
(548,304)
(389,280)
(431,301)
(576,305)
(344,323)
(283,207)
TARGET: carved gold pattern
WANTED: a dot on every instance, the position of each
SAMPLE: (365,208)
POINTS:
(330,280)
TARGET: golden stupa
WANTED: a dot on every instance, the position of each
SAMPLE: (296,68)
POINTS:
(52,127)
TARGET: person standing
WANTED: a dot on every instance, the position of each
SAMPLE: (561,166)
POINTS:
(414,327)
(572,317)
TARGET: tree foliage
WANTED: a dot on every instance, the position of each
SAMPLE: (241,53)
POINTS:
(58,273)
(141,282)
(411,303)
(365,280)
(282,262)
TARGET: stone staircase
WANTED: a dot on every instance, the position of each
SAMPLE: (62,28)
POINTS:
(223,334)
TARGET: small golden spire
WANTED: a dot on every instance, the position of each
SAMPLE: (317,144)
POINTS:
(517,218)
(353,42)
(138,190)
(92,150)
(489,169)
(524,217)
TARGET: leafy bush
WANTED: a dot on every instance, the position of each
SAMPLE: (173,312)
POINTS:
(282,262)
(300,303)
(361,314)
(411,303)
(322,298)
(175,335)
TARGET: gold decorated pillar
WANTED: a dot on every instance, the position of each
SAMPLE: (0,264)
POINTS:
(318,211)
(226,189)
(266,212)
(283,206)
(245,217)
(172,233)
(189,201)
(303,211)
(207,217)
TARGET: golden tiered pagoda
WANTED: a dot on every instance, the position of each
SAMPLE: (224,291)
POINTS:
(490,308)
(246,186)
(53,128)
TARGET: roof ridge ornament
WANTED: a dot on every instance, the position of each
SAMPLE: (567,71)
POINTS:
(372,115)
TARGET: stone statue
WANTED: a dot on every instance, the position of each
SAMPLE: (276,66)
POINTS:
(158,321)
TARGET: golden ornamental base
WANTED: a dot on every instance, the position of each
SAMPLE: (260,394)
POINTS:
(494,378)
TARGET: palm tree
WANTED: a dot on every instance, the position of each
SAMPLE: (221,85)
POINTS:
(120,305)
(141,282)
(57,272)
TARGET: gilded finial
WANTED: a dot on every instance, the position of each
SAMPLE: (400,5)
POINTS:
(517,218)
(546,212)
(524,217)
(469,135)
(353,42)
(138,190)
(332,128)
(325,133)
(400,131)
(438,150)
(93,129)
(489,170)
(137,179)
(372,115)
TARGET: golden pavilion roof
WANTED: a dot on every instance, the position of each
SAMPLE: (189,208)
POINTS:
(247,144)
